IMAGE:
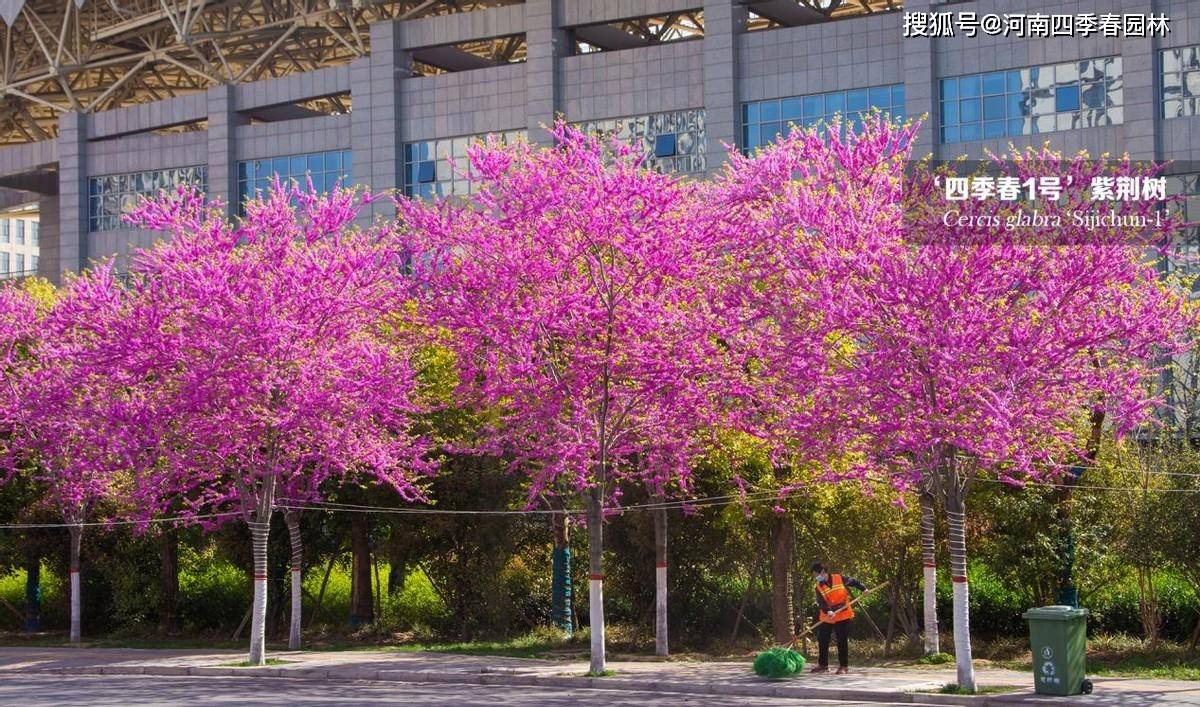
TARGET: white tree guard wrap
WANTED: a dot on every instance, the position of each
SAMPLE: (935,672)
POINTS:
(259,533)
(956,523)
(294,628)
(932,644)
(660,610)
(929,560)
(76,633)
(596,617)
(293,526)
(962,636)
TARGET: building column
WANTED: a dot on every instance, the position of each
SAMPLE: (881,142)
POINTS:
(724,21)
(375,118)
(48,237)
(545,42)
(222,170)
(1142,90)
(70,252)
(920,92)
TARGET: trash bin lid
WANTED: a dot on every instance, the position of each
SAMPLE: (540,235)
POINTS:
(1057,612)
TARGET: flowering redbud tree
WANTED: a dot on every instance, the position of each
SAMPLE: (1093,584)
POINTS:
(60,410)
(796,216)
(987,337)
(571,286)
(264,349)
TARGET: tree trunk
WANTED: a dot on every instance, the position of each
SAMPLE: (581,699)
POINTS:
(660,581)
(783,618)
(76,532)
(291,518)
(324,583)
(596,577)
(956,491)
(260,532)
(1148,606)
(168,619)
(737,620)
(362,602)
(33,593)
(1068,593)
(929,561)
(560,583)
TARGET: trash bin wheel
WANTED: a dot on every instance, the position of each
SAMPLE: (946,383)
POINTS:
(1086,687)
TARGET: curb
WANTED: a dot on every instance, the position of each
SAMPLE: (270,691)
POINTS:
(516,679)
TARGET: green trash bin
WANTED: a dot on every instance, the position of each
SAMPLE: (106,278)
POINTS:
(1058,638)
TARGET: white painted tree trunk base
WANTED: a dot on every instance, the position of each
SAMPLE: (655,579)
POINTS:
(962,636)
(294,630)
(932,644)
(660,611)
(596,618)
(259,533)
(76,632)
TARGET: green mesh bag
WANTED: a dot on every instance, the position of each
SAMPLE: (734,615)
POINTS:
(778,663)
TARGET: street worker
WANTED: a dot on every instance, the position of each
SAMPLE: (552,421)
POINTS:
(833,604)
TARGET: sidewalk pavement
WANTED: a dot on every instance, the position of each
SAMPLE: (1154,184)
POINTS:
(699,678)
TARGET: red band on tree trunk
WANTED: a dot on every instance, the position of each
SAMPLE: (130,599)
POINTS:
(959,580)
(663,565)
(73,571)
(295,568)
(930,564)
(596,577)
(259,576)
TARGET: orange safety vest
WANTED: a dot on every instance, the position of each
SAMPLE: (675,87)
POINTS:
(836,598)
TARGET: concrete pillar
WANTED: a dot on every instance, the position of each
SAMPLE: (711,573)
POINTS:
(222,172)
(920,90)
(48,237)
(545,43)
(375,120)
(70,252)
(1142,90)
(724,20)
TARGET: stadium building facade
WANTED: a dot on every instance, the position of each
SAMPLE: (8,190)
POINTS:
(682,78)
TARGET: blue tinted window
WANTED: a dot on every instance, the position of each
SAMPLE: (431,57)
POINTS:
(1019,102)
(949,112)
(968,110)
(949,88)
(857,99)
(762,121)
(993,108)
(790,109)
(664,145)
(109,195)
(323,170)
(1066,98)
(425,171)
(993,83)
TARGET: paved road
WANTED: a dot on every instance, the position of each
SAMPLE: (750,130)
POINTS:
(134,691)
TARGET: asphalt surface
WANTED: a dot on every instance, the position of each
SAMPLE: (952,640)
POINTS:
(134,691)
